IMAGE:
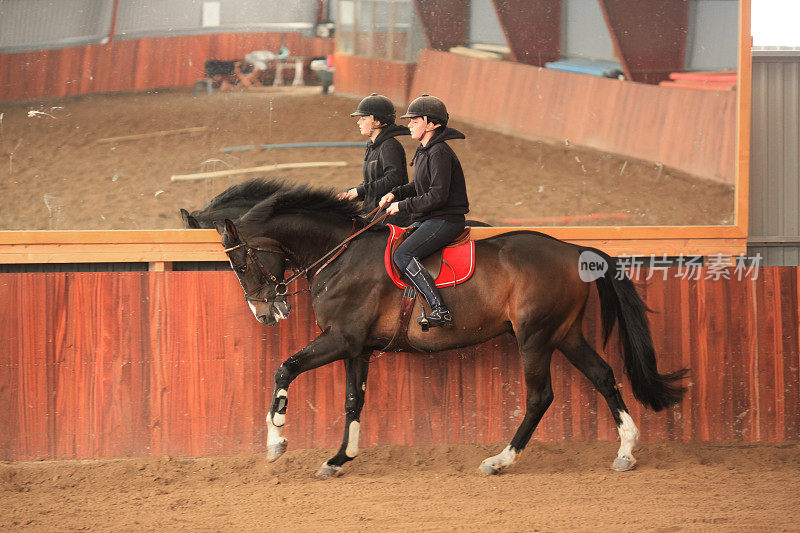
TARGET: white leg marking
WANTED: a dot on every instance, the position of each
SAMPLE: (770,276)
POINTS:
(352,439)
(499,462)
(276,442)
(274,433)
(280,419)
(628,436)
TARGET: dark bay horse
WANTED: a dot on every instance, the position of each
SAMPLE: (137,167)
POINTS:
(526,284)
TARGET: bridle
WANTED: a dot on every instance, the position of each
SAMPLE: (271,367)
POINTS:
(281,287)
(265,273)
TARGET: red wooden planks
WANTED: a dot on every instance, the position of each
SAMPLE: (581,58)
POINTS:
(361,76)
(135,64)
(690,130)
(131,364)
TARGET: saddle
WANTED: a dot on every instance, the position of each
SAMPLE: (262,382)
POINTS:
(453,264)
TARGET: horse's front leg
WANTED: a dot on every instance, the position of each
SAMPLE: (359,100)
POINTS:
(356,370)
(326,348)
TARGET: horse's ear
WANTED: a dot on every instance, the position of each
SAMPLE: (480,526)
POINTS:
(189,222)
(229,228)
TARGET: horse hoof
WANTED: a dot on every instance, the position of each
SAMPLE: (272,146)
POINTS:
(327,471)
(274,451)
(623,464)
(489,470)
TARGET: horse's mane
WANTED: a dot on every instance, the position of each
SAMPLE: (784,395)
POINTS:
(301,198)
(254,190)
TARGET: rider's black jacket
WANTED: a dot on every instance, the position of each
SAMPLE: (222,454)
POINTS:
(439,189)
(384,168)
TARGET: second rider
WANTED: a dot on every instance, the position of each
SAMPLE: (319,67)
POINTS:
(385,159)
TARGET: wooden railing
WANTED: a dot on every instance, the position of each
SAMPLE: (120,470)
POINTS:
(95,246)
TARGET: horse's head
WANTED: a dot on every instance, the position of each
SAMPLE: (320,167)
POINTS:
(260,267)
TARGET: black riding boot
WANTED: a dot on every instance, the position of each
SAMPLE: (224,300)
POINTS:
(419,277)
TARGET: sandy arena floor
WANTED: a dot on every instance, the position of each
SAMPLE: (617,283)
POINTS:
(554,487)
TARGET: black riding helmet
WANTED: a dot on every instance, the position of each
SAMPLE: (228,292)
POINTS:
(378,106)
(428,106)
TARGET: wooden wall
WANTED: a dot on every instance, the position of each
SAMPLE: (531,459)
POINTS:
(692,130)
(361,76)
(137,63)
(141,364)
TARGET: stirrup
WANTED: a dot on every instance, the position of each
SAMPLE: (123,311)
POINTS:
(440,317)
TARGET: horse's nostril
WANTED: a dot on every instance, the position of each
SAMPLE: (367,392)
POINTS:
(266,319)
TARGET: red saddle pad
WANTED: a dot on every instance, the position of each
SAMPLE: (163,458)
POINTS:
(458,262)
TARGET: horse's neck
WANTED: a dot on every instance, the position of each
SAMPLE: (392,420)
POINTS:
(308,240)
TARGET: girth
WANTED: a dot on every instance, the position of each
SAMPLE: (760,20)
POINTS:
(400,342)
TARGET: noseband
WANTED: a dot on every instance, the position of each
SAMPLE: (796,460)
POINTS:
(280,287)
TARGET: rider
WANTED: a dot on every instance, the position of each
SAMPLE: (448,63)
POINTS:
(385,159)
(436,199)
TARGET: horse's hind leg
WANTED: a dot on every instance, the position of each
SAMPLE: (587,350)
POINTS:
(356,370)
(536,366)
(586,359)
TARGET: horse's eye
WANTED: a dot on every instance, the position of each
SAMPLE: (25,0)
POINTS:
(242,269)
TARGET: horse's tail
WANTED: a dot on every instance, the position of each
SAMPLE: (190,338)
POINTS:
(620,301)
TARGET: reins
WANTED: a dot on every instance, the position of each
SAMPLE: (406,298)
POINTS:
(337,250)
